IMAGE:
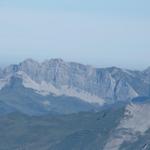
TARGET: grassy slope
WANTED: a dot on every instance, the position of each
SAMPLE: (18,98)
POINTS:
(82,131)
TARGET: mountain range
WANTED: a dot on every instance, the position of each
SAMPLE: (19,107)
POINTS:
(58,105)
(79,84)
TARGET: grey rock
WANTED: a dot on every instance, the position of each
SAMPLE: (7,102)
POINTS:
(113,83)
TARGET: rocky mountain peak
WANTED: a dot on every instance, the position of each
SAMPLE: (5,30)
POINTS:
(53,61)
(147,70)
(29,63)
(105,83)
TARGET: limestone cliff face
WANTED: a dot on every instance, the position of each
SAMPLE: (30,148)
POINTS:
(110,84)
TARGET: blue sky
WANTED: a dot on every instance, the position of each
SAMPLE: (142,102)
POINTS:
(101,33)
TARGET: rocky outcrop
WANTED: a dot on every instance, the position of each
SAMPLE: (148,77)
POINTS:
(97,84)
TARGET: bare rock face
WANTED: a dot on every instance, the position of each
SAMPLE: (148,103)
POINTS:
(1,73)
(107,84)
(147,71)
(133,126)
(147,75)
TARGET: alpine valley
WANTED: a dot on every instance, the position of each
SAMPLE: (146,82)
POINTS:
(58,105)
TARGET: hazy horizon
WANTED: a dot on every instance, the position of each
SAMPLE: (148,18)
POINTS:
(98,33)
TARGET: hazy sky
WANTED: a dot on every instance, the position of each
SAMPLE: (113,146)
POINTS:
(97,32)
